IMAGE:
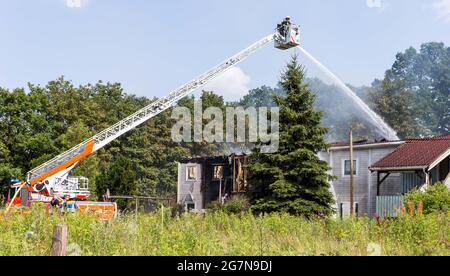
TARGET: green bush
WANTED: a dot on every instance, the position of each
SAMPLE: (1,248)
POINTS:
(235,205)
(435,199)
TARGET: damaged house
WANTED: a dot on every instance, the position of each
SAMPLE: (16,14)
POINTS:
(204,180)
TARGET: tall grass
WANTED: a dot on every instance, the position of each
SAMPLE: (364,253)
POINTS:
(29,232)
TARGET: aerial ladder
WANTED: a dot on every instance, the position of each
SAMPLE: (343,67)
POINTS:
(53,176)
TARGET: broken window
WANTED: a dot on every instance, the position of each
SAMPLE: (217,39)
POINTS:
(218,172)
(190,206)
(191,173)
(240,175)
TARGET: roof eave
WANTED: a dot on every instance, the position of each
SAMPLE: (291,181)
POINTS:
(398,169)
(375,145)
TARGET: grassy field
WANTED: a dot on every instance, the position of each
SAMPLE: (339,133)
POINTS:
(30,233)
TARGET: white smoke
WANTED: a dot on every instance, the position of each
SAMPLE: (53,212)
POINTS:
(384,129)
(442,9)
(76,4)
(376,4)
(233,84)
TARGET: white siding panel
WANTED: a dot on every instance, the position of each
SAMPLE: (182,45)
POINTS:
(364,181)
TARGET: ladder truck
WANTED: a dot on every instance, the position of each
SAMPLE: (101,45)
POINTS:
(53,177)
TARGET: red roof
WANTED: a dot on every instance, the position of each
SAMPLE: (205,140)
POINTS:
(415,153)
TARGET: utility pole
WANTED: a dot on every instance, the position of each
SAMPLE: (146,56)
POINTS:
(220,192)
(352,178)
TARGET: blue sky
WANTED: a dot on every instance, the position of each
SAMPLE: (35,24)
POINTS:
(152,47)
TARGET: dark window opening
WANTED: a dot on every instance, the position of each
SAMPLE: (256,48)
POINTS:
(218,173)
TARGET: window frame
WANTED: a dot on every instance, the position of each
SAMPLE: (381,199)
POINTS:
(214,172)
(356,168)
(195,167)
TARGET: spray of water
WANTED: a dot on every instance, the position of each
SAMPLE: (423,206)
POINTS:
(385,130)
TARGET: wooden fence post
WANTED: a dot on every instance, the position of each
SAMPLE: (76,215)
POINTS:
(59,244)
(136,207)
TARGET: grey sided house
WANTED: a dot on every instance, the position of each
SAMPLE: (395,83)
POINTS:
(365,154)
(420,162)
(385,171)
(204,180)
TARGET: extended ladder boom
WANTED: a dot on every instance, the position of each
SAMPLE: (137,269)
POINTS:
(67,160)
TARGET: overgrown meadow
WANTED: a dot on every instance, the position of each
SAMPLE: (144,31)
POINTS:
(29,232)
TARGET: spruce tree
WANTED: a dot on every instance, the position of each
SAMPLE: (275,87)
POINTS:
(293,179)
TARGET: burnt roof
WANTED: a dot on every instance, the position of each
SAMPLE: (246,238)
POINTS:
(210,159)
(361,143)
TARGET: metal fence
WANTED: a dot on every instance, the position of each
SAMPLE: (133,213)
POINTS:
(389,206)
(141,203)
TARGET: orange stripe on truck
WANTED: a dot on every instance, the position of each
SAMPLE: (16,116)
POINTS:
(86,152)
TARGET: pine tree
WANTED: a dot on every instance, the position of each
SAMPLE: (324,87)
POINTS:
(293,179)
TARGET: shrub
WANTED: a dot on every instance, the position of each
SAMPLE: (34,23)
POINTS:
(235,205)
(435,199)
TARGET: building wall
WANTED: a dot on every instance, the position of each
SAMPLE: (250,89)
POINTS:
(391,186)
(192,192)
(189,192)
(365,181)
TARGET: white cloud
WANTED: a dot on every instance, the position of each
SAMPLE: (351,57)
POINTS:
(232,85)
(376,4)
(76,4)
(442,9)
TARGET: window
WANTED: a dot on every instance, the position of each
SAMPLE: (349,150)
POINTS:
(347,167)
(190,206)
(191,173)
(218,172)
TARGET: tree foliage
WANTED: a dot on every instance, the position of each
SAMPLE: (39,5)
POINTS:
(41,123)
(293,179)
(38,124)
(418,86)
(413,97)
(208,99)
(396,104)
(119,178)
(339,112)
(261,97)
